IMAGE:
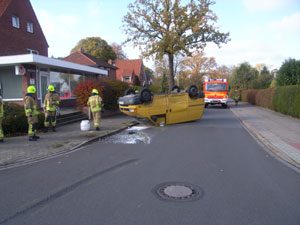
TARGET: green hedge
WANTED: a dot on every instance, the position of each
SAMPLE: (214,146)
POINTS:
(284,99)
(112,90)
(287,100)
(15,122)
(264,98)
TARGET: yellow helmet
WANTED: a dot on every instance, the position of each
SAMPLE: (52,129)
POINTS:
(51,88)
(31,89)
(95,91)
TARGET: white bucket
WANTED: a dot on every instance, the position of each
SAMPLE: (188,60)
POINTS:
(85,125)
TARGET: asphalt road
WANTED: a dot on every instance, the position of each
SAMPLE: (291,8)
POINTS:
(114,183)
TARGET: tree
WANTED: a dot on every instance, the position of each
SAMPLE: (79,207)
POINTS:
(165,27)
(192,69)
(289,73)
(221,72)
(96,47)
(264,79)
(120,54)
(161,74)
(243,76)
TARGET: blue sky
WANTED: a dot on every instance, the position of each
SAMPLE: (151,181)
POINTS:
(261,31)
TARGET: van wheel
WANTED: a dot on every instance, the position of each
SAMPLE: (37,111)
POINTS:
(145,95)
(175,88)
(201,94)
(224,106)
(193,91)
(129,91)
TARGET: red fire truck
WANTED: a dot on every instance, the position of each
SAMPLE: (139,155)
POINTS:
(216,92)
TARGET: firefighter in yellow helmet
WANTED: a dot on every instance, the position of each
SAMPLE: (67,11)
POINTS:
(31,112)
(51,104)
(95,103)
(1,118)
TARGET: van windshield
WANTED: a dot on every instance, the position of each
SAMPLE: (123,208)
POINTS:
(216,87)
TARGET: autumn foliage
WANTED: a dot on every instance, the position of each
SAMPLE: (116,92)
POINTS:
(110,91)
(84,89)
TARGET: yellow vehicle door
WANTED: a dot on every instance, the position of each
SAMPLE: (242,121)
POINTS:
(177,108)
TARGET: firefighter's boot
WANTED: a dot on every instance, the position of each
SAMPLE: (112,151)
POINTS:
(36,137)
(31,138)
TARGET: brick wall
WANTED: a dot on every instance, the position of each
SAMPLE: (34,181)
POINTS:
(16,41)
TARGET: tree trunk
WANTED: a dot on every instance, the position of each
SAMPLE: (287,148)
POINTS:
(171,70)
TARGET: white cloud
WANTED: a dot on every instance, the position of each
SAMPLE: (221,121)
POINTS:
(269,43)
(290,24)
(250,50)
(94,8)
(265,5)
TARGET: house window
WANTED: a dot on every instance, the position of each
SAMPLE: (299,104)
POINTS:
(15,21)
(29,27)
(126,78)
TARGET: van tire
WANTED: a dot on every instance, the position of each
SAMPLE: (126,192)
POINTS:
(145,95)
(175,88)
(193,91)
(129,91)
(225,106)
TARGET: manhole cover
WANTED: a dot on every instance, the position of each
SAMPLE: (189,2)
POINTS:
(178,191)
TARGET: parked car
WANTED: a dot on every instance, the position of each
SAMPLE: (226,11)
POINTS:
(175,107)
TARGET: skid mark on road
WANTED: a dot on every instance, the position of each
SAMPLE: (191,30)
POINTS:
(66,190)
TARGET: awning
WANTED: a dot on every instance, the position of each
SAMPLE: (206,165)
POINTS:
(49,62)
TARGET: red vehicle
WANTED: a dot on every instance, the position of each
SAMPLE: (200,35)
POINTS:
(216,92)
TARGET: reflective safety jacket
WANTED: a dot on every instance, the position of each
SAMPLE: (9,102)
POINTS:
(94,103)
(1,109)
(30,106)
(51,101)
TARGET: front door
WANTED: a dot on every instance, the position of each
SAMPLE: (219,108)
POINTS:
(44,82)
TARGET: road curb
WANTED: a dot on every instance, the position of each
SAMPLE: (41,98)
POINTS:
(94,139)
(63,152)
(276,152)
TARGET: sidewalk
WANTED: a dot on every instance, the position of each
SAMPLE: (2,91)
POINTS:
(280,133)
(18,150)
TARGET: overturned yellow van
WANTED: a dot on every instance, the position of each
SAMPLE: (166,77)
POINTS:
(176,107)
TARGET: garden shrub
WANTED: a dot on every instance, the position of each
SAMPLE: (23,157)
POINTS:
(244,97)
(110,90)
(287,100)
(84,89)
(264,98)
(251,96)
(15,122)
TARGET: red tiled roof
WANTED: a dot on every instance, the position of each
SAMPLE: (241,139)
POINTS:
(128,67)
(88,60)
(3,6)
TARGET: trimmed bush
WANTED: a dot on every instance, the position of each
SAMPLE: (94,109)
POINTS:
(249,96)
(264,98)
(110,91)
(284,99)
(84,89)
(287,100)
(15,122)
